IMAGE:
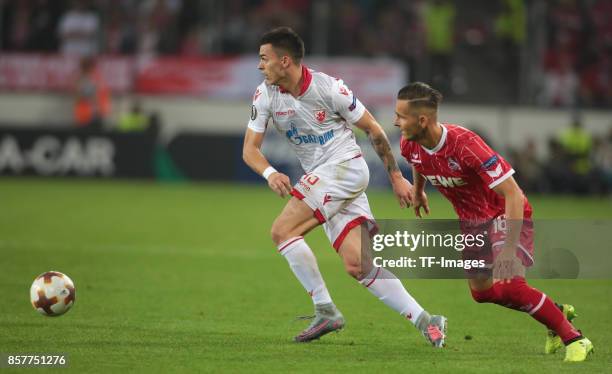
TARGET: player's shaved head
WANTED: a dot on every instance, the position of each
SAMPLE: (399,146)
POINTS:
(420,95)
(285,40)
(416,111)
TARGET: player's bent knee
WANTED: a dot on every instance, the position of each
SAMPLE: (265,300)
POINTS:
(483,291)
(481,296)
(282,232)
(355,270)
(278,233)
(515,290)
(278,236)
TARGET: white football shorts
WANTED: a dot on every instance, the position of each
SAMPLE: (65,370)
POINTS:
(336,194)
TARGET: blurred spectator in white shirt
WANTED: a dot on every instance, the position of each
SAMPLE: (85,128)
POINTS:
(560,84)
(79,31)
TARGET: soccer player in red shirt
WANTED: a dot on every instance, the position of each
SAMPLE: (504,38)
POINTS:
(479,184)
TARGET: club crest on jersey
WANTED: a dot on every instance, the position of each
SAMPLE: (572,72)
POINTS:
(344,91)
(415,158)
(453,164)
(320,115)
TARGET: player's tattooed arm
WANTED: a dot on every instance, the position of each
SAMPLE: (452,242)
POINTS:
(383,149)
(401,187)
(379,142)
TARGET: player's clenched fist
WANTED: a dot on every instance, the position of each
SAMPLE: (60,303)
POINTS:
(280,184)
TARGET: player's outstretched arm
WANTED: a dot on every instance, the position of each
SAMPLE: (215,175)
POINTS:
(401,187)
(419,195)
(507,264)
(252,156)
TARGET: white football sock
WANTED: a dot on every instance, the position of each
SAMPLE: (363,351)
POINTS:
(387,288)
(304,265)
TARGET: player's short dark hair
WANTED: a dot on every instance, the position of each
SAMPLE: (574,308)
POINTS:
(286,39)
(420,95)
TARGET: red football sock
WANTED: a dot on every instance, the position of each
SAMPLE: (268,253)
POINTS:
(518,295)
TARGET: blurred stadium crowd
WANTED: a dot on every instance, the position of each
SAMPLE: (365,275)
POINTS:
(553,53)
(577,163)
(566,45)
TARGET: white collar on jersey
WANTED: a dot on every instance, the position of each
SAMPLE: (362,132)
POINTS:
(440,143)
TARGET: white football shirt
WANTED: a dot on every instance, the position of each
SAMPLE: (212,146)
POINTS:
(317,123)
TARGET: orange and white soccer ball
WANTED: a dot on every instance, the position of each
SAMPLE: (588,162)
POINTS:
(52,293)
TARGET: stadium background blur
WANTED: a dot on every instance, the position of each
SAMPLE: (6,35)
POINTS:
(164,271)
(532,77)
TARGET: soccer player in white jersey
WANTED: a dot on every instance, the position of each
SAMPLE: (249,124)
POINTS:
(315,113)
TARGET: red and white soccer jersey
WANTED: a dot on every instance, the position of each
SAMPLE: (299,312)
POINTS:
(317,124)
(465,170)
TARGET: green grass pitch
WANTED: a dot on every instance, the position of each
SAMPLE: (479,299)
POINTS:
(184,277)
